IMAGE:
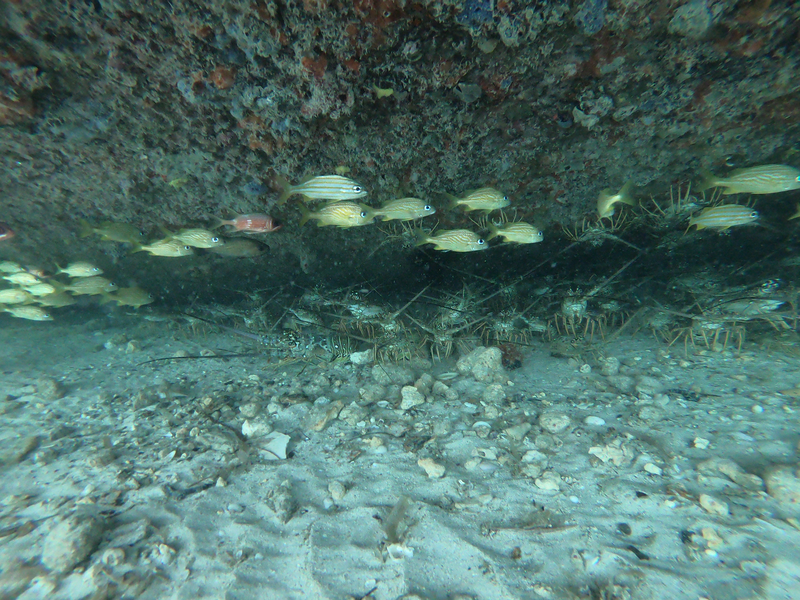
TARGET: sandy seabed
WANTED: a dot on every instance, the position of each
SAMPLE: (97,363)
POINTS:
(639,471)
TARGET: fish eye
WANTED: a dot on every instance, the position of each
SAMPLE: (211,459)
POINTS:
(387,14)
(187,247)
(481,242)
(505,198)
(363,214)
(215,239)
(754,214)
(427,207)
(357,189)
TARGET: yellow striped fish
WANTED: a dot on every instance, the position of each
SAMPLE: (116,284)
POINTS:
(519,233)
(10,267)
(324,187)
(340,214)
(166,247)
(485,199)
(32,313)
(55,300)
(21,278)
(80,269)
(724,216)
(766,179)
(14,296)
(456,240)
(197,238)
(404,209)
(90,286)
(40,289)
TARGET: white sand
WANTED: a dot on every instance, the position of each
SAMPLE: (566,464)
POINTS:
(130,451)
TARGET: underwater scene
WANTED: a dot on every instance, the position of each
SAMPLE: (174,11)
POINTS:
(400,300)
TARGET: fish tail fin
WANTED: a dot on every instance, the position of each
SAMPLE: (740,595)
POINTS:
(137,248)
(106,298)
(453,200)
(625,194)
(306,215)
(707,181)
(167,233)
(494,232)
(60,287)
(86,229)
(287,188)
(422,237)
(217,221)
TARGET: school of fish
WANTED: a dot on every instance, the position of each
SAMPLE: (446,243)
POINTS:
(30,294)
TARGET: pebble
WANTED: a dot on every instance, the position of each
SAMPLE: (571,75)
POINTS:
(622,382)
(548,482)
(484,364)
(700,443)
(613,453)
(71,541)
(432,468)
(650,414)
(609,366)
(363,358)
(494,393)
(648,385)
(249,410)
(554,422)
(337,490)
(733,471)
(783,484)
(652,469)
(425,383)
(131,533)
(594,421)
(48,388)
(411,397)
(258,428)
(323,414)
(482,429)
(386,374)
(517,433)
(274,445)
(353,413)
(372,392)
(713,505)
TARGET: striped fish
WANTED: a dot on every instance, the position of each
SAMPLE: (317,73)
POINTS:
(89,286)
(324,187)
(485,199)
(723,217)
(456,240)
(340,214)
(14,296)
(404,209)
(32,313)
(519,233)
(766,179)
(166,247)
(197,238)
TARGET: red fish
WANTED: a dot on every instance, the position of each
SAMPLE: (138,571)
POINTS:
(6,233)
(252,223)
